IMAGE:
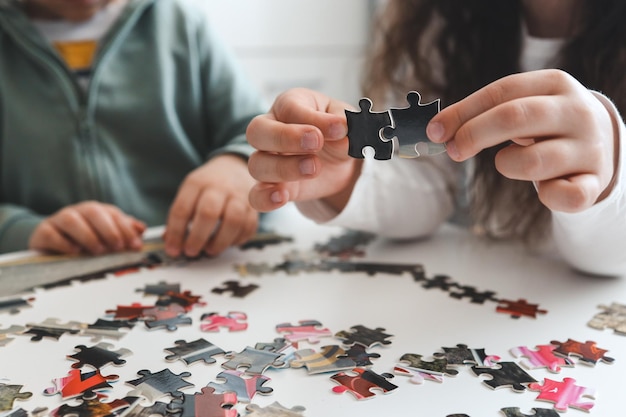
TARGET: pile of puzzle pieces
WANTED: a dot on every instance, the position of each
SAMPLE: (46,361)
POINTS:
(347,359)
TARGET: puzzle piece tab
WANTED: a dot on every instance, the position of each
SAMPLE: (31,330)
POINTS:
(10,393)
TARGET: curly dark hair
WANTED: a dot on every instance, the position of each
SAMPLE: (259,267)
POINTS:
(448,49)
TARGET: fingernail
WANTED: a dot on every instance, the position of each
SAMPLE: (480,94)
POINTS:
(309,141)
(277,197)
(307,166)
(435,131)
(453,152)
(337,131)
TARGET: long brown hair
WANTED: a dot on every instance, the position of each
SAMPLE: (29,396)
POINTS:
(448,49)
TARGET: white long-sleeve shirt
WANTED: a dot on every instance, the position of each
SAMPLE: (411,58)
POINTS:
(407,198)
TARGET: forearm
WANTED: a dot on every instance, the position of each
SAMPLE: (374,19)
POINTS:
(16,226)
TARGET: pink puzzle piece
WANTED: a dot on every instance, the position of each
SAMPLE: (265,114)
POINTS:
(213,322)
(310,330)
(564,394)
(77,383)
(417,376)
(542,357)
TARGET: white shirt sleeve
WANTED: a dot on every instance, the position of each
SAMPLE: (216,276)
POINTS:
(594,240)
(398,198)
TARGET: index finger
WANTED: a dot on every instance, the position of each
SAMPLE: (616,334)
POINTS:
(443,125)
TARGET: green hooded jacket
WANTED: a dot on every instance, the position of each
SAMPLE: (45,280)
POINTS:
(164,97)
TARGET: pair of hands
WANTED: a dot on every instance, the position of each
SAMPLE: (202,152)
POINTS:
(210,212)
(562,138)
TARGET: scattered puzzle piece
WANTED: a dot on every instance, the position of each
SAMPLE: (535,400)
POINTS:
(11,330)
(235,289)
(255,361)
(563,394)
(364,336)
(364,131)
(331,358)
(156,385)
(204,404)
(310,330)
(14,305)
(409,127)
(244,387)
(519,308)
(105,329)
(234,321)
(475,296)
(360,355)
(611,317)
(98,355)
(197,350)
(10,393)
(262,239)
(184,299)
(168,317)
(362,383)
(348,245)
(587,352)
(274,410)
(156,409)
(508,374)
(438,366)
(417,376)
(462,355)
(542,357)
(134,311)
(77,383)
(51,328)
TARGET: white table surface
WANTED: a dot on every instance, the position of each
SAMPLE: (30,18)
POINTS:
(421,320)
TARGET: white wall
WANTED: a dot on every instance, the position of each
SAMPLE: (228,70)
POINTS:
(296,43)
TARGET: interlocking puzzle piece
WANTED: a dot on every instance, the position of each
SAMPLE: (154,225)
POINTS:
(519,308)
(310,330)
(475,296)
(262,239)
(254,360)
(197,350)
(51,328)
(360,355)
(244,387)
(564,394)
(612,317)
(168,317)
(409,127)
(235,289)
(10,393)
(90,406)
(438,366)
(507,374)
(331,358)
(14,305)
(537,412)
(105,329)
(417,376)
(77,383)
(588,352)
(364,130)
(442,282)
(204,404)
(134,311)
(364,336)
(156,385)
(98,355)
(463,355)
(542,357)
(234,321)
(275,409)
(362,383)
(4,333)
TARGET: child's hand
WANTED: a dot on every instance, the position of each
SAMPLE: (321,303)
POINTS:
(90,227)
(563,137)
(302,152)
(211,210)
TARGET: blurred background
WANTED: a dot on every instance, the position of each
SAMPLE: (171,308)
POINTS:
(319,44)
